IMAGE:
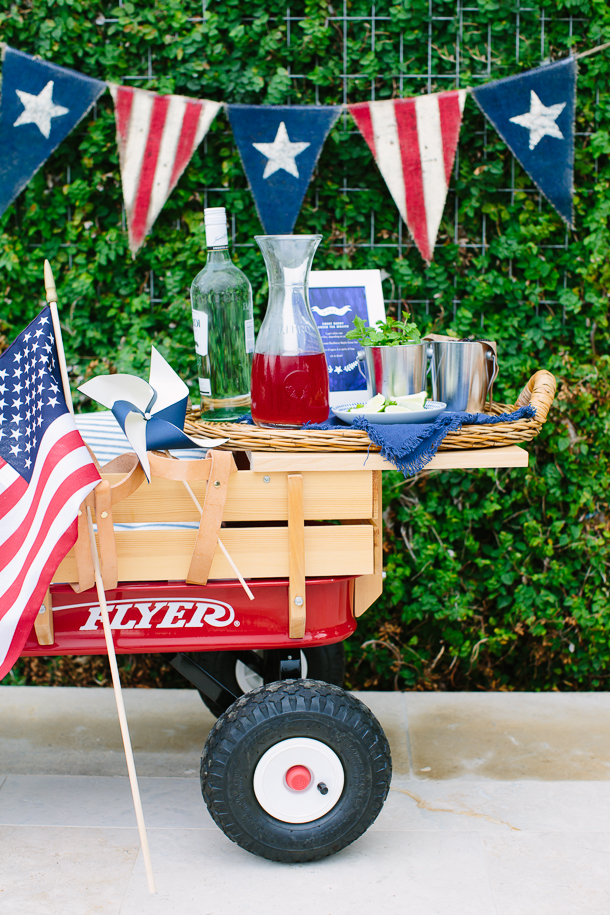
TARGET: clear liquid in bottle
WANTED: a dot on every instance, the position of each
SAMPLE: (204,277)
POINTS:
(223,325)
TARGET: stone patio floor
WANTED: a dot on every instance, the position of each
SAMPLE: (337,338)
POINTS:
(500,805)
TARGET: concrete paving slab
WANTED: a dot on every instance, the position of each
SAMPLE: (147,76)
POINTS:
(479,823)
(391,708)
(548,736)
(483,805)
(204,874)
(556,875)
(60,871)
(168,729)
(101,802)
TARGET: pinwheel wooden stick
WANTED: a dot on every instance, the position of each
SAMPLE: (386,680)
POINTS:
(220,543)
(51,294)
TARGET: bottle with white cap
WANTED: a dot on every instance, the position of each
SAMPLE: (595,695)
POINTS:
(223,324)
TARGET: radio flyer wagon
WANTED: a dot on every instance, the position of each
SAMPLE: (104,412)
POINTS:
(298,768)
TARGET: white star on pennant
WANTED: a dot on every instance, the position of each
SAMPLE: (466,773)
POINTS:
(39,109)
(539,120)
(281,153)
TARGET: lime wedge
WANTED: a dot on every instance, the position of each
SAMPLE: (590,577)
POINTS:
(395,408)
(414,401)
(375,405)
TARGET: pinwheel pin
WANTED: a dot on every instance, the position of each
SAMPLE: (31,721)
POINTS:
(150,413)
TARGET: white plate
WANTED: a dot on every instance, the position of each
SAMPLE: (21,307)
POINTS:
(427,415)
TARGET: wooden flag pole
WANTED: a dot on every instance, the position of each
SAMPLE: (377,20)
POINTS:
(116,682)
(51,293)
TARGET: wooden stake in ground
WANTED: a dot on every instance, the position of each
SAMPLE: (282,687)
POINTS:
(51,293)
(116,682)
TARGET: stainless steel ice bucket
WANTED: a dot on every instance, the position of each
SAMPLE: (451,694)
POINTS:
(395,370)
(462,374)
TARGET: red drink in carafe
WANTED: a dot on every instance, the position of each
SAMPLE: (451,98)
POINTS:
(289,390)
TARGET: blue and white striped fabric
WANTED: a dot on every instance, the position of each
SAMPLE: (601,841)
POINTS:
(107,441)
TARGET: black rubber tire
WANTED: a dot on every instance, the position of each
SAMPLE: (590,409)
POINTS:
(325,662)
(276,712)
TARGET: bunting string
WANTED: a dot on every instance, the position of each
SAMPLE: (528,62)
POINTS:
(413,140)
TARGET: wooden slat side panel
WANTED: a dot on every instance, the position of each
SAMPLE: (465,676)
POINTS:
(296,557)
(466,459)
(258,552)
(369,587)
(326,496)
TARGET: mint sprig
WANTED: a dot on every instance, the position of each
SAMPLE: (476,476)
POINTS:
(390,333)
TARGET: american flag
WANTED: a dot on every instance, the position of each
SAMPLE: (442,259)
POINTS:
(45,473)
(157,135)
(413,141)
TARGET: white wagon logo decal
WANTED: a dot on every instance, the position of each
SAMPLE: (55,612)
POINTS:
(160,614)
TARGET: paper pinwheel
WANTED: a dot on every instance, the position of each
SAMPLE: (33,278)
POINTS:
(150,413)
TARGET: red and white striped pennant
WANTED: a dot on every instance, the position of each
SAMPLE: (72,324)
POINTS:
(156,135)
(413,141)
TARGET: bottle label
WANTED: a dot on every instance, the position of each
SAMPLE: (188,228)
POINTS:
(249,329)
(205,387)
(200,330)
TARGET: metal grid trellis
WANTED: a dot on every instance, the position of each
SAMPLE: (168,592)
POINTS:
(527,20)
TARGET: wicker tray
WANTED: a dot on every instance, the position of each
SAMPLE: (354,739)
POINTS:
(539,392)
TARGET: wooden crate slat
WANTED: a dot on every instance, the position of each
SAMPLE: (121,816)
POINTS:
(326,496)
(260,552)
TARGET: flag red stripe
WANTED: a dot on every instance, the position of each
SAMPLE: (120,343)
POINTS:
(63,494)
(11,495)
(137,223)
(65,445)
(24,626)
(406,123)
(124,101)
(190,121)
(361,113)
(451,119)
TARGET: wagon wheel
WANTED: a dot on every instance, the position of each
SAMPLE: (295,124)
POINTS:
(324,662)
(295,770)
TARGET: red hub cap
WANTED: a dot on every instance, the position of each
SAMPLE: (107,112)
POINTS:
(298,778)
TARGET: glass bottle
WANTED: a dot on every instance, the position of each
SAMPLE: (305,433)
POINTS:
(223,325)
(289,373)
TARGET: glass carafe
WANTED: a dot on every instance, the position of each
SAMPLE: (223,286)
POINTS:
(289,373)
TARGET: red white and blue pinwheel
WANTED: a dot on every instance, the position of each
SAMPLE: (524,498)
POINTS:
(150,413)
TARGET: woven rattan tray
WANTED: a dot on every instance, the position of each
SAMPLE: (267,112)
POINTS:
(539,392)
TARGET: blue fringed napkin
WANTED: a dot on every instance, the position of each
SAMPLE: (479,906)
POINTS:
(410,446)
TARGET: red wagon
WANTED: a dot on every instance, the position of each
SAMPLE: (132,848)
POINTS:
(296,768)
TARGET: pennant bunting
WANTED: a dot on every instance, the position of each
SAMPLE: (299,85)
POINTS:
(279,147)
(40,104)
(157,136)
(534,114)
(413,141)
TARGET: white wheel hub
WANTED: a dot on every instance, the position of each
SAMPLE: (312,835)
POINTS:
(247,679)
(311,767)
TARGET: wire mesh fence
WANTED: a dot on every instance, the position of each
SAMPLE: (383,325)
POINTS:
(459,51)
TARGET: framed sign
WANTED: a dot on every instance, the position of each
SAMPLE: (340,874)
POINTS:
(336,297)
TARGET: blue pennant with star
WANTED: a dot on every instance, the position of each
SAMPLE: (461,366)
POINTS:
(40,104)
(534,114)
(279,146)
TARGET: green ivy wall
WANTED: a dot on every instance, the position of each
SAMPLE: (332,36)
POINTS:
(495,579)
